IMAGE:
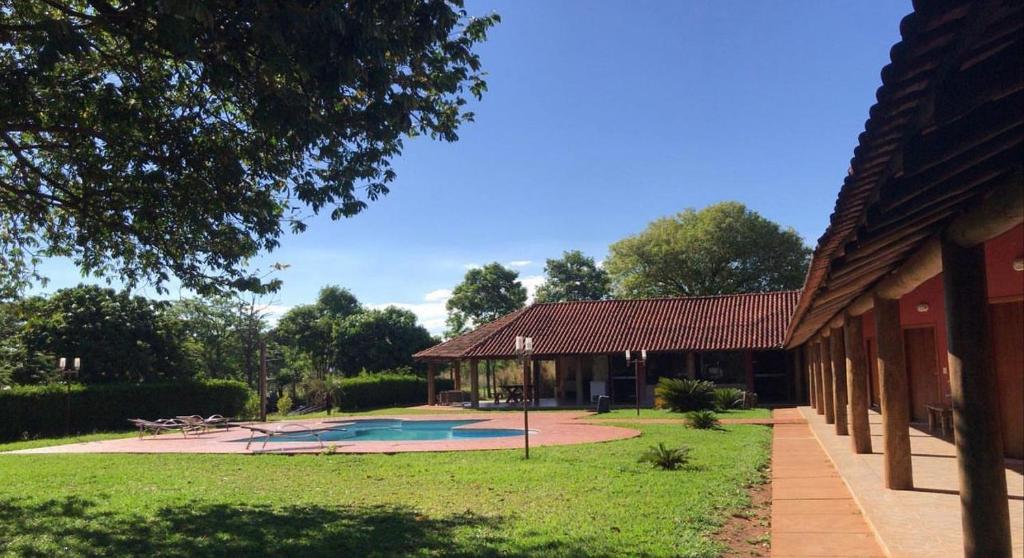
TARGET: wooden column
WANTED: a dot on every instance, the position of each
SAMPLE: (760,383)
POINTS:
(691,365)
(975,393)
(837,349)
(818,381)
(812,397)
(577,363)
(431,388)
(827,385)
(474,383)
(798,377)
(748,365)
(894,389)
(456,375)
(857,384)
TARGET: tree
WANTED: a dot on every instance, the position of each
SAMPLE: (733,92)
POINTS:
(211,333)
(375,340)
(119,337)
(311,328)
(573,277)
(487,293)
(724,248)
(144,139)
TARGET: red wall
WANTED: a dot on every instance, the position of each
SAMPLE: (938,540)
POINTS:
(1003,284)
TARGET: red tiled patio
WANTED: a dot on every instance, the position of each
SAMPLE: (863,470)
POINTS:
(548,428)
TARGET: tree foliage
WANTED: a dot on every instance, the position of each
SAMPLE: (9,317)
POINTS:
(119,337)
(721,249)
(484,295)
(145,139)
(573,277)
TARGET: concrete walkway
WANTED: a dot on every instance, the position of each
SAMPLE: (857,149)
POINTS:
(920,522)
(813,512)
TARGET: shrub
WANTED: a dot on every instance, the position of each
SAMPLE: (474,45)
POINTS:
(284,404)
(38,411)
(703,420)
(685,394)
(382,389)
(668,459)
(729,398)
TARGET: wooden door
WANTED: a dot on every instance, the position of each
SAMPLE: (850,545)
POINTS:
(922,370)
(1007,322)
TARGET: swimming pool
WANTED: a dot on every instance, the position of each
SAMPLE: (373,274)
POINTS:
(398,430)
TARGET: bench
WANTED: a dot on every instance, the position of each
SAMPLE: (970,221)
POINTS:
(941,415)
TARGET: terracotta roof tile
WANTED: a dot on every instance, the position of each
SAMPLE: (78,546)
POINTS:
(744,321)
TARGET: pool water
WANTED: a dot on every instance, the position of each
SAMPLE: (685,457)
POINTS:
(392,430)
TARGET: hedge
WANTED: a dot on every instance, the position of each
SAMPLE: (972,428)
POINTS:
(369,391)
(39,411)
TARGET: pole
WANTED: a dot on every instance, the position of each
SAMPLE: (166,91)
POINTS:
(636,373)
(67,405)
(263,381)
(526,411)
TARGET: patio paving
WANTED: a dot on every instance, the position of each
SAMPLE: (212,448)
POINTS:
(923,522)
(813,512)
(550,428)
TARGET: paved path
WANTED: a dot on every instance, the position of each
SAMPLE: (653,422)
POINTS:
(813,512)
(919,523)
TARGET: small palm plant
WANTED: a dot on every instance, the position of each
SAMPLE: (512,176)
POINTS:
(729,398)
(703,420)
(668,459)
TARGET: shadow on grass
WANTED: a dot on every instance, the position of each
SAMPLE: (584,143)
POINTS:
(77,527)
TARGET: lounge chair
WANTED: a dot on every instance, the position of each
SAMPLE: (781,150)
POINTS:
(161,425)
(286,430)
(204,424)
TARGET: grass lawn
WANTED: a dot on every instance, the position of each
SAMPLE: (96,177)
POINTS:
(590,501)
(627,414)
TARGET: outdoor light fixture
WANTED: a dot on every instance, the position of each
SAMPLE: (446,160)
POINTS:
(923,307)
(68,373)
(640,365)
(1018,264)
(524,352)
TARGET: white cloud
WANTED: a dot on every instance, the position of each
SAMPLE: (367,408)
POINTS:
(468,266)
(531,282)
(438,295)
(273,312)
(519,263)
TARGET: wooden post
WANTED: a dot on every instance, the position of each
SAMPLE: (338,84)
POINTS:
(641,383)
(577,363)
(474,383)
(828,397)
(457,375)
(263,381)
(811,384)
(857,384)
(837,350)
(975,393)
(431,388)
(894,388)
(798,377)
(535,382)
(748,365)
(691,365)
(819,382)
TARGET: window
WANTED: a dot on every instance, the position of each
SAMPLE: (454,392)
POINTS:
(723,367)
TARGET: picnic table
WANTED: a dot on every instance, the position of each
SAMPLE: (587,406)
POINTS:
(941,414)
(513,393)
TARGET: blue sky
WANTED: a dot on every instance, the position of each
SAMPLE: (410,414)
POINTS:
(601,117)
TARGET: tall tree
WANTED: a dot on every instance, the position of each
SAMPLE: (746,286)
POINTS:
(487,293)
(145,139)
(375,340)
(573,277)
(311,328)
(721,249)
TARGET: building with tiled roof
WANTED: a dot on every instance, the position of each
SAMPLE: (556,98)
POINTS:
(731,339)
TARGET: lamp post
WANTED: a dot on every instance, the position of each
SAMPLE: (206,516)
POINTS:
(524,351)
(66,374)
(640,365)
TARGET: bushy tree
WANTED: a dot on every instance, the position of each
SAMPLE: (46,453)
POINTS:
(211,332)
(722,249)
(486,294)
(145,139)
(119,337)
(310,329)
(375,340)
(573,277)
